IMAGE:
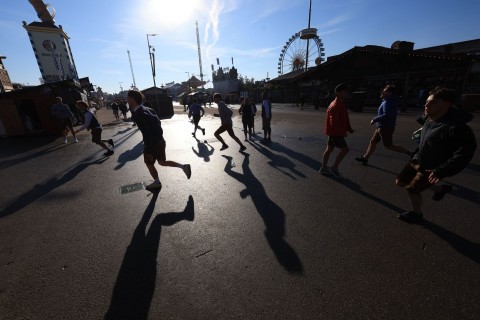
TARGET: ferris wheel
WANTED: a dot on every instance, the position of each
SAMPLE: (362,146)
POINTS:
(294,53)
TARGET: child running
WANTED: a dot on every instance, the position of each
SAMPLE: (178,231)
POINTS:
(226,118)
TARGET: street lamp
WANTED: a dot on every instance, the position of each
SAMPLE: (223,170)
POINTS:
(151,54)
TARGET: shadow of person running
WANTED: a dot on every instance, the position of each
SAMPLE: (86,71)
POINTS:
(203,151)
(273,216)
(277,161)
(43,189)
(464,246)
(129,155)
(300,157)
(135,285)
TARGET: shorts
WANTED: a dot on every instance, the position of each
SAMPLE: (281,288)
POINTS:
(413,179)
(97,136)
(225,127)
(384,134)
(247,122)
(266,123)
(115,112)
(155,153)
(196,118)
(65,123)
(336,141)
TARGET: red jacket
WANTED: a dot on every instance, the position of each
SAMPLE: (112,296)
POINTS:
(337,123)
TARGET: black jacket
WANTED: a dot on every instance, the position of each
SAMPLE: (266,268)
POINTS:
(446,145)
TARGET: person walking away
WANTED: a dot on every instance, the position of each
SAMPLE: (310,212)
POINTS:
(226,123)
(385,121)
(337,127)
(196,111)
(266,118)
(92,125)
(62,113)
(447,145)
(246,110)
(123,108)
(154,143)
(115,110)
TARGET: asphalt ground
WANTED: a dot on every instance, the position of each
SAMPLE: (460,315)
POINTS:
(254,235)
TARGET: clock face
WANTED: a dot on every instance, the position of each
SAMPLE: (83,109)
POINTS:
(49,45)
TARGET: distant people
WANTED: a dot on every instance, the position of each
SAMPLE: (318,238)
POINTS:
(385,122)
(62,113)
(447,144)
(254,108)
(154,143)
(184,102)
(115,110)
(266,117)
(123,109)
(95,128)
(248,113)
(302,100)
(226,123)
(196,111)
(337,127)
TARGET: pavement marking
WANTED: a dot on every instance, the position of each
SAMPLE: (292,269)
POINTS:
(132,187)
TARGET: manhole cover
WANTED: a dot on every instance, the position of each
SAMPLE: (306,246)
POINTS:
(132,187)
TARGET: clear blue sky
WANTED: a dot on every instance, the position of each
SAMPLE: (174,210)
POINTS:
(251,31)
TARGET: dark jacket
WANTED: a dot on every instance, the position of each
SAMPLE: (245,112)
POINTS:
(149,125)
(247,111)
(387,113)
(446,145)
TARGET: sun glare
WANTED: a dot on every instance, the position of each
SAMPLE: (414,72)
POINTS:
(168,14)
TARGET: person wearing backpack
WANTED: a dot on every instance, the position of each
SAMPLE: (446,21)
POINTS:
(447,144)
(92,125)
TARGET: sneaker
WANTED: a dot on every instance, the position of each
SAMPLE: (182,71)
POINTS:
(110,142)
(188,170)
(65,141)
(203,131)
(324,171)
(245,139)
(362,160)
(410,217)
(225,146)
(437,196)
(154,185)
(108,153)
(335,173)
(243,148)
(75,140)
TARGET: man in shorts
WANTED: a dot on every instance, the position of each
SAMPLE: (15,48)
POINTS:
(196,111)
(266,118)
(227,125)
(248,113)
(64,115)
(447,145)
(337,127)
(92,124)
(154,144)
(385,122)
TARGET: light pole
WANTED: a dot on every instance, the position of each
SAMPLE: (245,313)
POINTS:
(188,81)
(151,54)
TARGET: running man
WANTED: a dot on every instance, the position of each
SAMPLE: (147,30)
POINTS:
(196,111)
(64,115)
(92,125)
(385,122)
(337,127)
(154,144)
(447,144)
(226,123)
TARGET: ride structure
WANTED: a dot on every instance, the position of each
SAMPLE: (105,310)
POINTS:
(50,45)
(301,47)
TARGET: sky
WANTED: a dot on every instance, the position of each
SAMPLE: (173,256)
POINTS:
(253,32)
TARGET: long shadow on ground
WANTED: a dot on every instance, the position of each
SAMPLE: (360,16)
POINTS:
(135,286)
(41,190)
(273,216)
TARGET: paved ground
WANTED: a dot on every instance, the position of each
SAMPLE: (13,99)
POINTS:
(259,235)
